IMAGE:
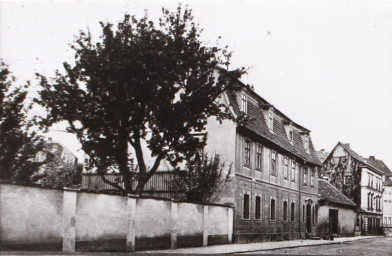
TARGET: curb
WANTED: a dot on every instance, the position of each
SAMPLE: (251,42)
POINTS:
(299,246)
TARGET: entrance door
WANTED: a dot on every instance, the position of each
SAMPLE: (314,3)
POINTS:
(308,219)
(333,221)
(370,225)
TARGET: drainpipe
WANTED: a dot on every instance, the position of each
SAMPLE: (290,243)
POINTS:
(299,199)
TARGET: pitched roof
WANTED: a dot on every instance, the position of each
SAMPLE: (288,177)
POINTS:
(332,194)
(388,181)
(379,164)
(258,125)
(357,157)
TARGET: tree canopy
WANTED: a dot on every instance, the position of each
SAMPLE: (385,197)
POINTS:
(17,145)
(140,91)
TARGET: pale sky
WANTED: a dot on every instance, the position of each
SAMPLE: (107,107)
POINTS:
(326,64)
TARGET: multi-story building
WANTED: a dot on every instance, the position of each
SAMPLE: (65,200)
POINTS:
(275,182)
(57,150)
(275,170)
(361,181)
(387,205)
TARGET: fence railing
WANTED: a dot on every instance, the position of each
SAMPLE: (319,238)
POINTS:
(160,184)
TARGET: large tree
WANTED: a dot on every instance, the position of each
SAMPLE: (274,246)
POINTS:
(140,92)
(17,145)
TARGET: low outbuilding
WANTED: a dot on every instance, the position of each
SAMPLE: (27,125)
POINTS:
(336,213)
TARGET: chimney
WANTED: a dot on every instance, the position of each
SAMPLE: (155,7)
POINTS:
(322,150)
(348,144)
(372,158)
(49,140)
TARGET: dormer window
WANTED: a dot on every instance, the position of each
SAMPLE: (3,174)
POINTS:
(271,119)
(306,140)
(244,104)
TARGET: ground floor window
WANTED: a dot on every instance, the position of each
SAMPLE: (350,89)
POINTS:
(245,213)
(292,215)
(273,209)
(285,211)
(258,208)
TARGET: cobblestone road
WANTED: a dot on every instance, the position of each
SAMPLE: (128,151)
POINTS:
(369,247)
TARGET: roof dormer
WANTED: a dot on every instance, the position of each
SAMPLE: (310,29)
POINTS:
(306,141)
(288,126)
(268,111)
(244,103)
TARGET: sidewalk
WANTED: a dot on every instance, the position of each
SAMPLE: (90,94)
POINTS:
(215,249)
(252,247)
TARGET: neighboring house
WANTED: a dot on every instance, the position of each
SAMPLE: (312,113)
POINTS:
(274,188)
(387,205)
(361,182)
(336,214)
(322,154)
(387,193)
(57,150)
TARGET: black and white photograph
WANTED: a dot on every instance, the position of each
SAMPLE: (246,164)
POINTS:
(221,127)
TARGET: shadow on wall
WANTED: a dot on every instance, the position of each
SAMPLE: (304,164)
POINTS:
(33,218)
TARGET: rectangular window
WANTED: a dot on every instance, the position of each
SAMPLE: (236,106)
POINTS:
(313,214)
(271,120)
(286,167)
(303,213)
(348,180)
(306,142)
(245,214)
(305,176)
(292,215)
(285,211)
(244,106)
(293,170)
(273,163)
(312,177)
(273,209)
(389,221)
(258,208)
(247,153)
(258,156)
(291,135)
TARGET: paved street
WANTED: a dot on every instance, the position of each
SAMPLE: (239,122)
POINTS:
(357,246)
(373,246)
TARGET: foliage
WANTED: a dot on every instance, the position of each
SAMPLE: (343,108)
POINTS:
(141,84)
(337,168)
(17,145)
(204,177)
(55,173)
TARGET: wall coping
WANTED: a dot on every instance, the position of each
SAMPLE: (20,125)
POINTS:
(114,193)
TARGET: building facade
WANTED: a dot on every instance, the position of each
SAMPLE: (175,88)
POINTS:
(387,206)
(361,182)
(274,188)
(336,213)
(58,151)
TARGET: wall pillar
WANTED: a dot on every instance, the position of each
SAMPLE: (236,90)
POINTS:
(173,224)
(69,221)
(230,223)
(131,226)
(205,225)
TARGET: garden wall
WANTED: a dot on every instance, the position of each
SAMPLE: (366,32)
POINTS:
(34,218)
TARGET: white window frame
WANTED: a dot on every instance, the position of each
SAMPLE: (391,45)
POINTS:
(244,103)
